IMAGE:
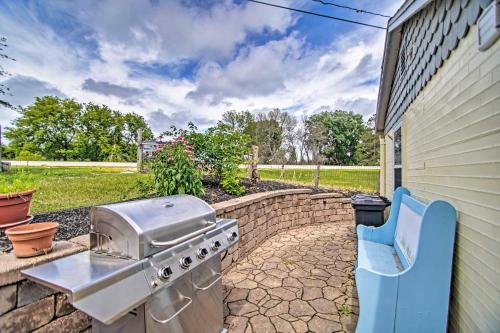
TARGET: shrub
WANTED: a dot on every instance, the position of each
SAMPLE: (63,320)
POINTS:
(220,151)
(174,170)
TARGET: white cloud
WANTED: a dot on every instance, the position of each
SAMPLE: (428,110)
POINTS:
(285,72)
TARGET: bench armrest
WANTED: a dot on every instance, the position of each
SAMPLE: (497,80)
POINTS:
(364,232)
(385,233)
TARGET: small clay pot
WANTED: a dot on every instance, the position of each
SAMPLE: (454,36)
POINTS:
(15,207)
(32,239)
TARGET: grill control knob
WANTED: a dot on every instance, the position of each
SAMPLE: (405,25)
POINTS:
(232,236)
(215,245)
(202,253)
(165,272)
(185,262)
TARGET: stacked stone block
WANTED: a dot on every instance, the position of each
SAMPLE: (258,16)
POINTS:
(262,215)
(29,307)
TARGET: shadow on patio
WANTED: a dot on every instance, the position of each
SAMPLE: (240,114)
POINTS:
(300,280)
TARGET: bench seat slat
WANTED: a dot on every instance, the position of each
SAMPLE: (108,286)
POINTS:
(378,258)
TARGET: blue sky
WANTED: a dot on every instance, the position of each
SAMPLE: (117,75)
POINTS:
(177,61)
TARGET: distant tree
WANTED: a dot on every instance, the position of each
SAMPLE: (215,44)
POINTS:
(275,135)
(100,129)
(62,129)
(335,135)
(368,148)
(241,121)
(4,90)
(47,127)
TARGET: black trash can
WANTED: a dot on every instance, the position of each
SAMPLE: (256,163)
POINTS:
(369,209)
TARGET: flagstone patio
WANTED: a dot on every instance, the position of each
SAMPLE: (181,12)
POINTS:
(300,280)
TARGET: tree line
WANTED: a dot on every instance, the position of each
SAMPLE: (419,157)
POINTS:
(53,128)
(329,137)
(63,129)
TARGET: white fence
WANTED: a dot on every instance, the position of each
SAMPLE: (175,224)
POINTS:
(313,167)
(129,165)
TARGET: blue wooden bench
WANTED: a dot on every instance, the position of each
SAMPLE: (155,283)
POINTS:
(403,272)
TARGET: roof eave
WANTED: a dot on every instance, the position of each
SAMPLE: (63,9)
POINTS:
(391,52)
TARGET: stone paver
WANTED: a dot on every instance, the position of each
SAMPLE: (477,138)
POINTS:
(295,282)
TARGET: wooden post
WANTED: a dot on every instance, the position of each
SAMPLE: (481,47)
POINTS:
(254,175)
(316,178)
(139,150)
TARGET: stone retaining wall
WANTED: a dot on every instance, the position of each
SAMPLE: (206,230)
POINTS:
(26,306)
(262,215)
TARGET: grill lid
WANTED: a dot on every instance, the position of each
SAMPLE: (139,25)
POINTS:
(138,229)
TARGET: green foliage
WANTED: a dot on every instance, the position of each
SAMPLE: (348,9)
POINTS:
(344,310)
(220,151)
(175,171)
(335,135)
(273,132)
(243,122)
(368,149)
(62,129)
(25,155)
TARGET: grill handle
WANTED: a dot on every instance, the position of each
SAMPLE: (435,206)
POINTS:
(210,285)
(190,300)
(156,243)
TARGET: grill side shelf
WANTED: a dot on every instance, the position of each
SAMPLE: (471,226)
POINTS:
(104,287)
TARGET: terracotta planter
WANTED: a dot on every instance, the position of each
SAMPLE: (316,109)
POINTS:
(32,239)
(14,207)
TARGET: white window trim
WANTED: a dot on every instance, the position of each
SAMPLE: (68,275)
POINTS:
(394,165)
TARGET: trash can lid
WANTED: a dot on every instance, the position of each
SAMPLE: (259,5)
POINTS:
(367,199)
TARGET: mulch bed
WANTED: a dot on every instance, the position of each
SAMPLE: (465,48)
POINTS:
(75,222)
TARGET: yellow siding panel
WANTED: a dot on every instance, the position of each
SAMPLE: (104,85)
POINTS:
(451,151)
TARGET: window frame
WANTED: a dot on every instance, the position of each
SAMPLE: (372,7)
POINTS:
(397,127)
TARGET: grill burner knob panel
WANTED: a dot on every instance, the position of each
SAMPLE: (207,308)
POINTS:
(201,253)
(185,262)
(215,245)
(232,236)
(165,272)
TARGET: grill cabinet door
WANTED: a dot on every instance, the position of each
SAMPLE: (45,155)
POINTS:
(208,302)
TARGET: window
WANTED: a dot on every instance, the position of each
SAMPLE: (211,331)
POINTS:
(397,158)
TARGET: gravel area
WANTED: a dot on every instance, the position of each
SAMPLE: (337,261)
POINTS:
(75,222)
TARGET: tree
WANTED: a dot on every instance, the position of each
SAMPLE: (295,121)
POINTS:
(243,121)
(4,90)
(62,129)
(47,127)
(275,135)
(335,135)
(368,149)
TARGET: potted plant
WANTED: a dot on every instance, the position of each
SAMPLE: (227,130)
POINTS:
(15,199)
(32,239)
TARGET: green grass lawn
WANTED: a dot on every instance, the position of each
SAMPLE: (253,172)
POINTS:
(69,187)
(360,180)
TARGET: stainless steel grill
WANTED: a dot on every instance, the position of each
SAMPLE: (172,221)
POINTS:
(153,266)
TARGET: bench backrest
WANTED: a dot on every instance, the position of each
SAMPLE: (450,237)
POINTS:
(408,229)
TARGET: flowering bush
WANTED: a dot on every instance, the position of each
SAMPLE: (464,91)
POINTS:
(178,166)
(174,170)
(220,151)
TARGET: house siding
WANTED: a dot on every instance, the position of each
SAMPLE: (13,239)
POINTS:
(428,39)
(451,151)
